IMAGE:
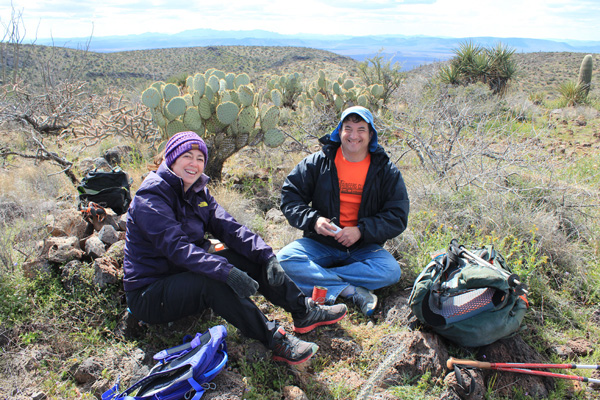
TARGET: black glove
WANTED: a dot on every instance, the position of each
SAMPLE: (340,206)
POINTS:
(275,273)
(241,283)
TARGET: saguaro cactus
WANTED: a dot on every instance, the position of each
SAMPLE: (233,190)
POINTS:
(221,108)
(585,74)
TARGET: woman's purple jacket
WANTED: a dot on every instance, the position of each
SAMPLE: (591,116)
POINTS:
(166,232)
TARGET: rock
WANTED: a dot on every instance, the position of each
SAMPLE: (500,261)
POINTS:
(106,271)
(424,352)
(580,121)
(121,154)
(117,251)
(71,274)
(67,223)
(564,352)
(581,347)
(108,235)
(62,250)
(122,222)
(276,216)
(293,393)
(36,268)
(337,345)
(94,247)
(87,371)
(88,164)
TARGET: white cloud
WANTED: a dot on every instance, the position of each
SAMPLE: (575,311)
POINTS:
(576,19)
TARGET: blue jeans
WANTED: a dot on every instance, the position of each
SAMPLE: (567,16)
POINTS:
(309,263)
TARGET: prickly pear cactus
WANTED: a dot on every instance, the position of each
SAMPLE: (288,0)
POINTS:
(285,89)
(221,108)
(341,94)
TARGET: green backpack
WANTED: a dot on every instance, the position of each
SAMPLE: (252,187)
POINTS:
(470,298)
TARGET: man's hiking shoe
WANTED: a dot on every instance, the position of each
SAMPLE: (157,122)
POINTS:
(319,315)
(365,300)
(290,349)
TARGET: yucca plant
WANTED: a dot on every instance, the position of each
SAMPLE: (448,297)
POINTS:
(473,63)
(449,74)
(501,67)
(572,93)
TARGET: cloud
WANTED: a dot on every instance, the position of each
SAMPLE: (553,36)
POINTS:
(576,19)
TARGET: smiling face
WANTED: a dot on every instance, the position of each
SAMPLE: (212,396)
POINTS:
(189,166)
(355,136)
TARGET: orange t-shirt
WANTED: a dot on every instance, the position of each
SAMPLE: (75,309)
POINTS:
(351,177)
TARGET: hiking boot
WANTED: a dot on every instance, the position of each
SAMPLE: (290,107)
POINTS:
(365,300)
(290,349)
(319,315)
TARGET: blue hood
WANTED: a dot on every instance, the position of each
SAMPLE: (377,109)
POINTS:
(364,114)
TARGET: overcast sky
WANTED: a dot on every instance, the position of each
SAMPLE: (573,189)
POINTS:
(542,19)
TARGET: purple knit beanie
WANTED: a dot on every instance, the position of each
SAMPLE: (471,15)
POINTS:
(183,142)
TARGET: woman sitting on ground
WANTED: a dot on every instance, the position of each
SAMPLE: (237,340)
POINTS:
(170,274)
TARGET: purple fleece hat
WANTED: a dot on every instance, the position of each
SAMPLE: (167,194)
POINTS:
(183,142)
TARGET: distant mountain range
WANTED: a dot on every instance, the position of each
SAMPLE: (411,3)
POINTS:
(409,51)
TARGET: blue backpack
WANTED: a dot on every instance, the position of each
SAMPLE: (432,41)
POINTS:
(182,371)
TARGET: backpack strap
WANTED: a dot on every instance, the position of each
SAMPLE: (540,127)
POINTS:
(199,383)
(167,355)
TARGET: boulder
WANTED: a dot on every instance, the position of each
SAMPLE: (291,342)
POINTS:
(106,271)
(94,247)
(62,249)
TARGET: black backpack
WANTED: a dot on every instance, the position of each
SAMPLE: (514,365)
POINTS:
(109,189)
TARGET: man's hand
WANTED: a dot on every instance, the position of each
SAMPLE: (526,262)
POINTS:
(348,236)
(325,227)
(275,273)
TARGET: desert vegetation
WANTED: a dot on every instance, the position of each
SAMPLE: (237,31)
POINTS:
(511,164)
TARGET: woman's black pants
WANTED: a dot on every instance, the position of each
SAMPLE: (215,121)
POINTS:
(184,294)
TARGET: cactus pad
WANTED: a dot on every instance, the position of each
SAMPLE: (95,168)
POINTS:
(246,95)
(151,97)
(270,118)
(199,84)
(241,79)
(174,127)
(204,108)
(170,90)
(192,119)
(247,119)
(227,112)
(277,98)
(177,106)
(274,137)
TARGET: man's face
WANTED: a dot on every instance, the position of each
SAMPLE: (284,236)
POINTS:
(355,138)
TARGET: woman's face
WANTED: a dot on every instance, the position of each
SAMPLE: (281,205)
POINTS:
(189,166)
